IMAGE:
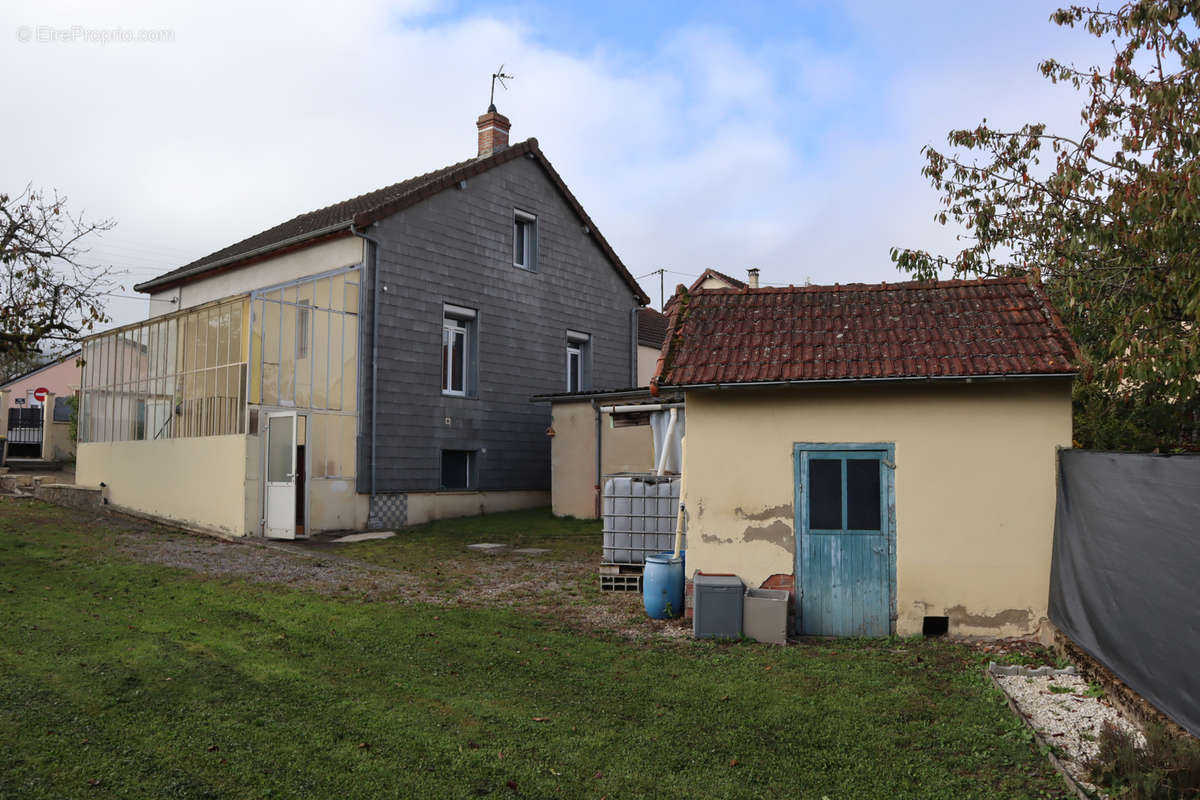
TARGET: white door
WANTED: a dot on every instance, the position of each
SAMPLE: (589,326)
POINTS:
(281,476)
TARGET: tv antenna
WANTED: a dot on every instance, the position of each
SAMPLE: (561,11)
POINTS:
(498,75)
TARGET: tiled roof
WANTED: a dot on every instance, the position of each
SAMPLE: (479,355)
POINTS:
(652,328)
(721,276)
(948,329)
(373,206)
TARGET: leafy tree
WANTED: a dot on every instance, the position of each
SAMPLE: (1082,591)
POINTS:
(1108,216)
(48,296)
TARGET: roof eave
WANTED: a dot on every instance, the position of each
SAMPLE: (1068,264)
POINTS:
(163,282)
(1039,376)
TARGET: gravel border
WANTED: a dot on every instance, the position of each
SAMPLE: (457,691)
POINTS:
(1065,722)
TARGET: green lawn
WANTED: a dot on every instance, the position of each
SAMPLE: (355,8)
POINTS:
(120,679)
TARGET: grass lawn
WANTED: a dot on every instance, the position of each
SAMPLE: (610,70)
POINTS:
(124,679)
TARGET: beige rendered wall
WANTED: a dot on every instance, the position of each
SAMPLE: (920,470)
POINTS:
(333,505)
(573,456)
(200,482)
(975,489)
(269,272)
(58,444)
(427,506)
(647,363)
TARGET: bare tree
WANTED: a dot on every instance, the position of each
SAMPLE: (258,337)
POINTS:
(48,295)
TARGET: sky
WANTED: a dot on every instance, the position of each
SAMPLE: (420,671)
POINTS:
(783,136)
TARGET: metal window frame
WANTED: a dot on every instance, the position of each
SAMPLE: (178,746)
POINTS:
(200,385)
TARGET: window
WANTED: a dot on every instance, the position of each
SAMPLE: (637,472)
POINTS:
(578,368)
(574,367)
(456,469)
(524,240)
(457,350)
(302,329)
(844,492)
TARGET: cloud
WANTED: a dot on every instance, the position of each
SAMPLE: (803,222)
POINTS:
(797,155)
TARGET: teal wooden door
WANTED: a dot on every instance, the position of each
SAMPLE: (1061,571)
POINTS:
(845,549)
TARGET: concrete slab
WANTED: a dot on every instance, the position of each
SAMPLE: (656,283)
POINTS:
(531,551)
(366,537)
(488,547)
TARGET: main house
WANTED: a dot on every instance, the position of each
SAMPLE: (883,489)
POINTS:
(885,452)
(368,364)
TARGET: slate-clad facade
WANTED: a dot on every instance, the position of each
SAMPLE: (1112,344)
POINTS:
(457,248)
(369,363)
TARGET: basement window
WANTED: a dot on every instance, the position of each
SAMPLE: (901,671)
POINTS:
(457,467)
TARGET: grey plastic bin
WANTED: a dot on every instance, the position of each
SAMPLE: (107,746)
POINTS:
(764,617)
(717,606)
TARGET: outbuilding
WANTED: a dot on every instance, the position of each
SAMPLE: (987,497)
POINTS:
(884,452)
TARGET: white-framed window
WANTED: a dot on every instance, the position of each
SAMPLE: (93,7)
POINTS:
(578,351)
(457,328)
(456,469)
(574,368)
(524,240)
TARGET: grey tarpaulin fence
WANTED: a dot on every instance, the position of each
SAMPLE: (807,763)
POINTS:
(1125,578)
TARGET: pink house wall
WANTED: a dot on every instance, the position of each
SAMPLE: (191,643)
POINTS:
(62,379)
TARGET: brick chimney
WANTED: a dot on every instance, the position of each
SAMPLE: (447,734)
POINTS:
(752,275)
(493,132)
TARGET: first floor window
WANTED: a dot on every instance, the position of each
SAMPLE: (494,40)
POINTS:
(456,469)
(578,350)
(457,329)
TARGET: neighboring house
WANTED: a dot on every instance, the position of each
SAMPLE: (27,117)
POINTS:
(368,364)
(59,377)
(887,452)
(651,328)
(711,279)
(47,389)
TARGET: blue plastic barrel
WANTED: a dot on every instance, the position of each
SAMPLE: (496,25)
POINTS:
(662,585)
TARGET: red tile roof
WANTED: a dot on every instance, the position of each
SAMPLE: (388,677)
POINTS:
(948,329)
(651,328)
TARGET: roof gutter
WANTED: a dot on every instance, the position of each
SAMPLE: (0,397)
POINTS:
(843,381)
(634,409)
(162,281)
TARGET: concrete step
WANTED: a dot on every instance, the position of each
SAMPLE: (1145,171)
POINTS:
(32,465)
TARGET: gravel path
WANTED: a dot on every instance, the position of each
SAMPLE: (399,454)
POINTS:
(1067,719)
(534,585)
(264,563)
